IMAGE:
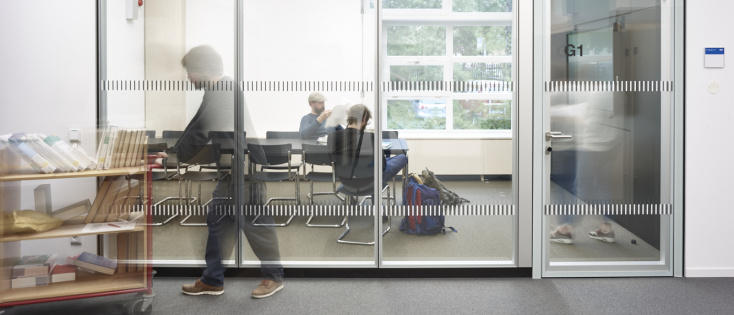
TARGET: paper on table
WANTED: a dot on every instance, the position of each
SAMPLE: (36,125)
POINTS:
(108,227)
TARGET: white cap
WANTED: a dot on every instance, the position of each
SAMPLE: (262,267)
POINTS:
(316,97)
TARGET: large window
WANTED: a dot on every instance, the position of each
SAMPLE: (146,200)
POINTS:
(450,69)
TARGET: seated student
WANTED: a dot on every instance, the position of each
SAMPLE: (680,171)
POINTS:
(313,123)
(354,148)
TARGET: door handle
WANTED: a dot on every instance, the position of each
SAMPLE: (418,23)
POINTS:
(550,135)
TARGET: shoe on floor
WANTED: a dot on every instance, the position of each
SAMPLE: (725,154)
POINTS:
(598,234)
(201,288)
(267,288)
(561,238)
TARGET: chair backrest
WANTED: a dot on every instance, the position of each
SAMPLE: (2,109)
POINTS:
(225,139)
(157,147)
(316,154)
(204,154)
(269,154)
(389,134)
(282,135)
(150,134)
(172,134)
(356,173)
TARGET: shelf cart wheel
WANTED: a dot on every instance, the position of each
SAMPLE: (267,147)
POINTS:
(142,306)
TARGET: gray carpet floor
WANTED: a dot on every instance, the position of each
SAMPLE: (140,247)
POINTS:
(428,296)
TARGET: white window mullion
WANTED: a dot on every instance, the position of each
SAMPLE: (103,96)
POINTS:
(448,74)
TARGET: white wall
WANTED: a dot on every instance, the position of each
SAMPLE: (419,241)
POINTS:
(125,61)
(304,41)
(709,169)
(49,86)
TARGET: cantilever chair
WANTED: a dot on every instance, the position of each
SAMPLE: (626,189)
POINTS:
(391,134)
(357,180)
(158,176)
(319,155)
(206,155)
(227,146)
(275,166)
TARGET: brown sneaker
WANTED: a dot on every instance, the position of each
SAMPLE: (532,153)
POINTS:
(266,289)
(200,288)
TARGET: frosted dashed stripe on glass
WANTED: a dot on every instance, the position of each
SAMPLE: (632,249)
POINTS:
(164,85)
(608,86)
(450,86)
(609,209)
(310,86)
(339,210)
(307,86)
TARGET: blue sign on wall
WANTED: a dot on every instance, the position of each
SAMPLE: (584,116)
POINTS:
(713,57)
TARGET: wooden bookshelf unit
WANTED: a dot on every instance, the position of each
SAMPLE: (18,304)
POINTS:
(133,247)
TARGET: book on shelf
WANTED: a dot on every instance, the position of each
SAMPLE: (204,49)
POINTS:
(71,259)
(119,159)
(34,265)
(114,189)
(29,282)
(62,273)
(82,154)
(64,149)
(97,201)
(122,248)
(129,190)
(61,161)
(102,147)
(137,156)
(128,202)
(73,213)
(132,153)
(111,147)
(96,263)
(28,154)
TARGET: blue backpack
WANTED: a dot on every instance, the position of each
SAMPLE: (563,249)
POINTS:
(415,197)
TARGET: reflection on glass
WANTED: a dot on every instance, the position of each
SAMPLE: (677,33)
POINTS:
(482,114)
(421,114)
(482,6)
(411,4)
(606,195)
(482,40)
(416,73)
(416,40)
(496,73)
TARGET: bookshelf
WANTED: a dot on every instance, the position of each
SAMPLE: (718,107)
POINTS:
(133,246)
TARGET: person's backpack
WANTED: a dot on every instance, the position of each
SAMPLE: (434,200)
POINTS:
(420,198)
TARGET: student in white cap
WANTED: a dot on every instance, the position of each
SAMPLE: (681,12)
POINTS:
(312,124)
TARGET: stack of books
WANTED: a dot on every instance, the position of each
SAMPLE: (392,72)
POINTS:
(48,154)
(121,148)
(32,271)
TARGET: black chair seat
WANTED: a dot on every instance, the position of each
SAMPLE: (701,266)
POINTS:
(319,176)
(270,177)
(199,176)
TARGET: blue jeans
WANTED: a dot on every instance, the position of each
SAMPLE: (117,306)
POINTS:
(393,165)
(262,240)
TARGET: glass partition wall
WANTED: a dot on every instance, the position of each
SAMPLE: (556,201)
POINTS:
(447,87)
(168,67)
(327,188)
(307,126)
(608,116)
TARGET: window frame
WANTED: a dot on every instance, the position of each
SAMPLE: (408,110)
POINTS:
(442,17)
